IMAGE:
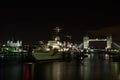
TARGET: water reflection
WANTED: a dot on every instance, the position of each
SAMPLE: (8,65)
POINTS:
(95,67)
(11,71)
(29,71)
(1,71)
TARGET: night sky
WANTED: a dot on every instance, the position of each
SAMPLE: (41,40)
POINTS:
(34,21)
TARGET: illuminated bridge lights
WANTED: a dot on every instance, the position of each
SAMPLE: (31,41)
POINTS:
(86,41)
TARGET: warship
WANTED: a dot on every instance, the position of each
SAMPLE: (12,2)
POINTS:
(53,49)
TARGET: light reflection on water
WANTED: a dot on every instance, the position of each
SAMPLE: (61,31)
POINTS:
(95,67)
(11,71)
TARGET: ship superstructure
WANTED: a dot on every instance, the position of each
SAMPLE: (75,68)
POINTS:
(53,49)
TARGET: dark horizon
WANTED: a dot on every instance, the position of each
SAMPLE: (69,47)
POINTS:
(34,22)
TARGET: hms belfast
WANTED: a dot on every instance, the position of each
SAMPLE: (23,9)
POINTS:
(53,49)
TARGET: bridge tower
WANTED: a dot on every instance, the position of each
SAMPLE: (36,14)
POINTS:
(85,42)
(109,42)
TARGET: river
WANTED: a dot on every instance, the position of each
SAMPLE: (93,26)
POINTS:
(94,67)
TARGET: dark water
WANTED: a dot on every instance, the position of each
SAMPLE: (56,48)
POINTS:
(95,67)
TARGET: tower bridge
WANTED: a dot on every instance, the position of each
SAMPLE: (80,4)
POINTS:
(86,41)
(85,45)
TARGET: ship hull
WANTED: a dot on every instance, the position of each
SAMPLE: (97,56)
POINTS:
(64,56)
(47,56)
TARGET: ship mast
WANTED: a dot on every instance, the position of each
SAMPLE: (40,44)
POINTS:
(69,37)
(57,31)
